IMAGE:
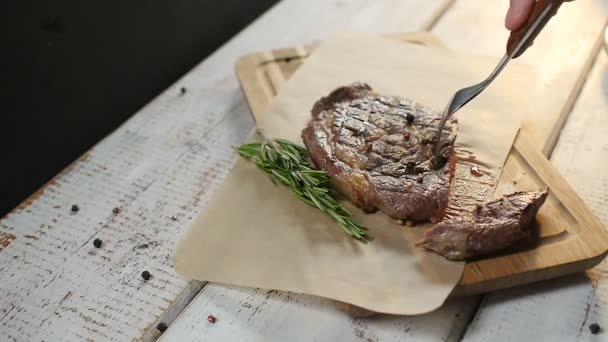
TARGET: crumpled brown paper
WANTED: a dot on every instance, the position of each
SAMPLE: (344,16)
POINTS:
(257,234)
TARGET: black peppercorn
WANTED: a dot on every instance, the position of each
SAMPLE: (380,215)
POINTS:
(162,327)
(116,210)
(146,275)
(97,243)
(75,208)
(409,118)
(595,328)
(182,90)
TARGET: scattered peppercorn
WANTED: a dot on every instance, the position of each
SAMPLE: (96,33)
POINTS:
(97,243)
(409,118)
(162,327)
(146,275)
(75,208)
(182,90)
(116,210)
(595,328)
(174,218)
(211,319)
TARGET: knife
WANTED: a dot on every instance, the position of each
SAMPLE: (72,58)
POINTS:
(519,41)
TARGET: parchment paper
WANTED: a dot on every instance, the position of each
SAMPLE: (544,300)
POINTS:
(257,234)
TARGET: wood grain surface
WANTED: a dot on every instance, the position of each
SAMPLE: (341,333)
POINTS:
(570,35)
(167,160)
(563,309)
(163,163)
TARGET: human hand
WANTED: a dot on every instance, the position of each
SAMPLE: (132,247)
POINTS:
(519,11)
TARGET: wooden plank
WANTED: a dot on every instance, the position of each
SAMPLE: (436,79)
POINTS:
(563,309)
(160,167)
(270,314)
(255,315)
(173,311)
(54,282)
(553,310)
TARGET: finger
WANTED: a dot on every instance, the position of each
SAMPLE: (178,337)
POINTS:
(519,11)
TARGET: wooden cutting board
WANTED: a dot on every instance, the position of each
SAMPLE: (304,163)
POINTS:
(571,239)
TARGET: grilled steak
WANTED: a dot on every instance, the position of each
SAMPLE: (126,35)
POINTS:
(378,151)
(492,227)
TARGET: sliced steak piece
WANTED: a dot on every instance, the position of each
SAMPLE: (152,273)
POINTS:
(492,227)
(378,151)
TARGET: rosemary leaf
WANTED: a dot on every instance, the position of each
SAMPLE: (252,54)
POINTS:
(289,164)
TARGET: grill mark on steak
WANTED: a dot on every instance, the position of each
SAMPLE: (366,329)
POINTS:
(487,229)
(378,151)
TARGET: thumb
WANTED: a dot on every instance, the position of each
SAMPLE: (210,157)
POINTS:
(519,11)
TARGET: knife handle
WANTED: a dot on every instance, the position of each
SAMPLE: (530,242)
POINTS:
(517,35)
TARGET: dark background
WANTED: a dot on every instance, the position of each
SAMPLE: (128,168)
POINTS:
(72,71)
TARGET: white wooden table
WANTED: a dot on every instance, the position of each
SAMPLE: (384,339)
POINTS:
(162,166)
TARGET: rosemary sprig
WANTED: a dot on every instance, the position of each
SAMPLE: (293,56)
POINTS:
(289,164)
